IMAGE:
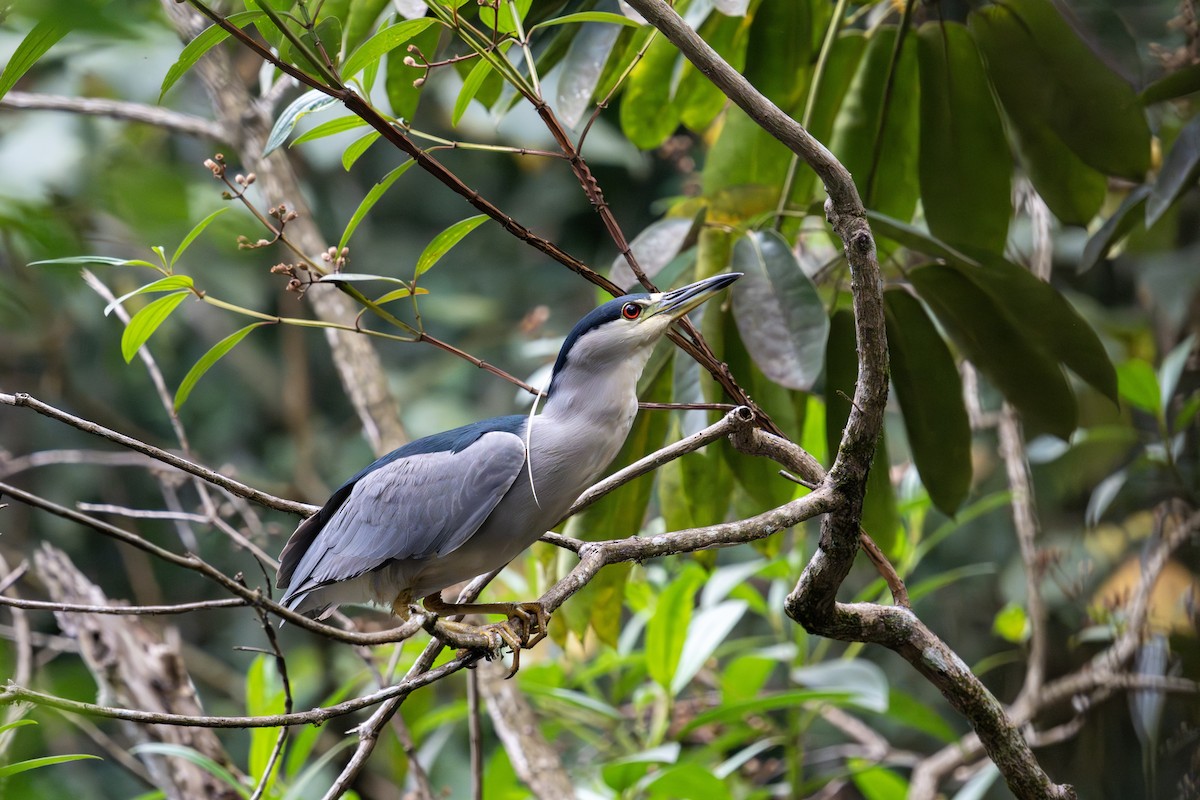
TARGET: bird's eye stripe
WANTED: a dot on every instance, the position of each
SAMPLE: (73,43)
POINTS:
(631,311)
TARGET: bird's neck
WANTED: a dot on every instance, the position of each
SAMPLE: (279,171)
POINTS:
(603,394)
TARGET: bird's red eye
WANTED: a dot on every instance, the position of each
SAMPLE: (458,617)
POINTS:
(631,311)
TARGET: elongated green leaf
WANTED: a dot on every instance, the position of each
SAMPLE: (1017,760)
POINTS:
(399,294)
(1138,385)
(667,630)
(387,39)
(881,153)
(1021,369)
(330,128)
(358,277)
(9,770)
(698,98)
(779,51)
(686,781)
(169,283)
(648,113)
(470,88)
(35,44)
(368,202)
(403,96)
(199,759)
(355,149)
(587,16)
(929,390)
(107,261)
(1178,84)
(444,241)
(360,18)
(196,231)
(962,142)
(206,40)
(1075,92)
(1121,222)
(778,311)
(705,633)
(307,103)
(214,354)
(17,723)
(772,702)
(145,322)
(876,782)
(1178,173)
(264,695)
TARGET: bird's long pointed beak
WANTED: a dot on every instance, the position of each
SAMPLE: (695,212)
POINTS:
(680,301)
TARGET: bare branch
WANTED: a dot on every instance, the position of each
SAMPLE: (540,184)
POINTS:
(116,109)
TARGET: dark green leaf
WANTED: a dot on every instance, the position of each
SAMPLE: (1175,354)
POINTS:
(386,40)
(929,390)
(698,99)
(215,353)
(1179,83)
(906,709)
(779,51)
(1114,228)
(778,311)
(1021,369)
(371,199)
(1178,173)
(307,103)
(965,167)
(35,44)
(402,95)
(196,231)
(1046,75)
(881,153)
(359,22)
(648,111)
(167,284)
(145,322)
(444,241)
(207,39)
(470,87)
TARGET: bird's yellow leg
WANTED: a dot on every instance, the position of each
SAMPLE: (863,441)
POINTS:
(533,617)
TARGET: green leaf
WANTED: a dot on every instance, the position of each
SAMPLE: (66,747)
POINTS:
(778,311)
(17,723)
(470,87)
(864,682)
(587,16)
(687,782)
(307,103)
(780,51)
(371,199)
(358,277)
(146,321)
(214,354)
(199,759)
(167,284)
(622,773)
(1138,385)
(907,710)
(1041,68)
(386,40)
(648,113)
(881,153)
(1114,228)
(35,44)
(196,231)
(1178,173)
(1011,624)
(667,630)
(1182,82)
(360,18)
(1018,366)
(445,240)
(264,695)
(35,763)
(705,633)
(355,149)
(402,95)
(107,261)
(929,390)
(876,782)
(962,143)
(742,710)
(206,40)
(330,128)
(699,100)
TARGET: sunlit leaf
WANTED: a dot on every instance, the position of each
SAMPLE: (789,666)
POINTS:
(686,782)
(360,19)
(387,39)
(929,390)
(1011,624)
(444,241)
(876,782)
(169,283)
(470,87)
(355,149)
(778,311)
(215,354)
(9,770)
(145,322)
(35,44)
(368,202)
(206,40)
(307,103)
(667,630)
(586,16)
(330,128)
(196,231)
(648,114)
(1138,385)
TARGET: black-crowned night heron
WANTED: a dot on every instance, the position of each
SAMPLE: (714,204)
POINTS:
(443,509)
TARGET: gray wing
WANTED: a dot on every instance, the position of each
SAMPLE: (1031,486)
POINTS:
(421,506)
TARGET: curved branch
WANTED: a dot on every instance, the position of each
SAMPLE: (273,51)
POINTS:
(117,109)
